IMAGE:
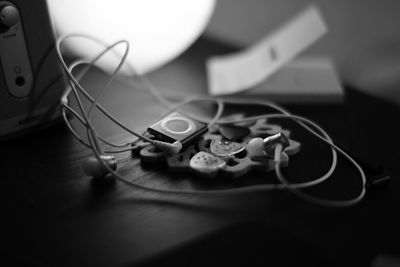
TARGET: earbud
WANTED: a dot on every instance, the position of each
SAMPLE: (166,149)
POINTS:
(255,147)
(168,148)
(273,140)
(93,167)
(258,147)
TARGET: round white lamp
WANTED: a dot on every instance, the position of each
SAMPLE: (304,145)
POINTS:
(157,30)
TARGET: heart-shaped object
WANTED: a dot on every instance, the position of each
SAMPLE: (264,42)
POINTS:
(207,164)
(225,148)
(233,132)
(293,148)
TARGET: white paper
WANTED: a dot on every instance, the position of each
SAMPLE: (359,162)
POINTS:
(240,71)
(302,80)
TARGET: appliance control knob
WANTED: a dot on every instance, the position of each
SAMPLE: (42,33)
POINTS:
(9,16)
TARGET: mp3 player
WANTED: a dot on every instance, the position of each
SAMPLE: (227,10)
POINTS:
(176,127)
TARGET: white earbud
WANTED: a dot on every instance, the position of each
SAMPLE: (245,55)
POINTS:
(258,147)
(255,147)
(272,141)
(93,167)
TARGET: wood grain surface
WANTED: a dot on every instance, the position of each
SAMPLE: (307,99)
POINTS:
(54,215)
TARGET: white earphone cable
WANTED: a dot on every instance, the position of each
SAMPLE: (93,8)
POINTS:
(94,139)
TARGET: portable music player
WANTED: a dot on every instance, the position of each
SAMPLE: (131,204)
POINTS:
(176,127)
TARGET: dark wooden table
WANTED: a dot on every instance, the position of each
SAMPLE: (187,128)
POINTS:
(54,215)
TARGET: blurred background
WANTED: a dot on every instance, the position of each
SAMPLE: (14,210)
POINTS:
(363,38)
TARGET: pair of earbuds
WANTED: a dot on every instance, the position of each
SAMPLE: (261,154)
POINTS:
(271,147)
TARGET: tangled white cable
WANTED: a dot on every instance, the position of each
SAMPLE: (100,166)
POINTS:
(108,164)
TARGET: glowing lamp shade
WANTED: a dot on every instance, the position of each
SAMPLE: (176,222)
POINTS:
(157,30)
